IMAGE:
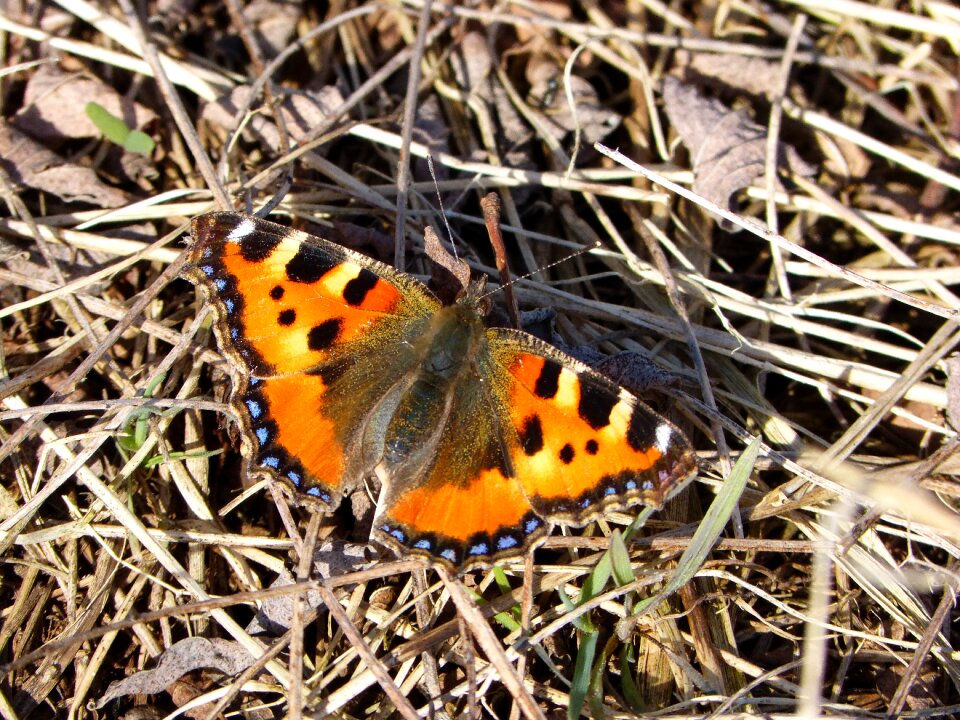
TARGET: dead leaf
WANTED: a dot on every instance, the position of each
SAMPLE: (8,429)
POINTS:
(635,372)
(755,76)
(727,149)
(450,275)
(430,128)
(275,22)
(472,64)
(30,163)
(369,240)
(333,558)
(550,101)
(55,101)
(302,112)
(227,656)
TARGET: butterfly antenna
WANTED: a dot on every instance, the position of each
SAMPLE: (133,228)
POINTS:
(443,212)
(505,287)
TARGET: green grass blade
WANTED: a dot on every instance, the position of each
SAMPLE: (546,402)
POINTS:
(581,673)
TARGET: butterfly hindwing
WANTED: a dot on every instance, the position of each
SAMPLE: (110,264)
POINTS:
(582,445)
(466,507)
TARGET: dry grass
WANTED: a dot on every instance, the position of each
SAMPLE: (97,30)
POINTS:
(826,586)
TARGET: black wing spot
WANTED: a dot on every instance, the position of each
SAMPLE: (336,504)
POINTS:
(309,264)
(322,336)
(592,447)
(355,291)
(548,381)
(596,403)
(287,317)
(277,292)
(567,454)
(641,433)
(258,246)
(531,435)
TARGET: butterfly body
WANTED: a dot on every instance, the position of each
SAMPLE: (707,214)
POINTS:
(482,437)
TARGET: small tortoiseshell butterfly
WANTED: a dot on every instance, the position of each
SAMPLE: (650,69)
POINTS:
(483,437)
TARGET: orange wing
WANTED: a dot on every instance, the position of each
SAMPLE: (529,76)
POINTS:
(294,314)
(538,438)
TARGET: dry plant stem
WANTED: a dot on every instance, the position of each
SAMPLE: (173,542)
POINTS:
(74,286)
(491,645)
(938,624)
(249,673)
(935,194)
(214,603)
(693,346)
(814,648)
(431,675)
(20,209)
(870,144)
(924,469)
(470,661)
(173,104)
(490,204)
(295,696)
(636,67)
(939,345)
(371,661)
(526,609)
(772,142)
(374,82)
(884,17)
(861,223)
(286,517)
(407,125)
(116,506)
(541,22)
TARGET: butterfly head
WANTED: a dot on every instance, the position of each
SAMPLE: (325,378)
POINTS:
(476,297)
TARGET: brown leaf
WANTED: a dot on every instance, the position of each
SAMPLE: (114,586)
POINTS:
(549,98)
(274,22)
(472,64)
(756,76)
(332,558)
(302,112)
(727,148)
(30,163)
(227,656)
(451,275)
(430,128)
(55,106)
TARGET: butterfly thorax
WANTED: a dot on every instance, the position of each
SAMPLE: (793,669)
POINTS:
(414,412)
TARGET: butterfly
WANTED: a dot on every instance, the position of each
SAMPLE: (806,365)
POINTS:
(483,438)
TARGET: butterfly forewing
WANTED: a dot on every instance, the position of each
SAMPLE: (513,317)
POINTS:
(305,321)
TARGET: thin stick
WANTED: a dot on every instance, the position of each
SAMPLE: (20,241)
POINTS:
(491,218)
